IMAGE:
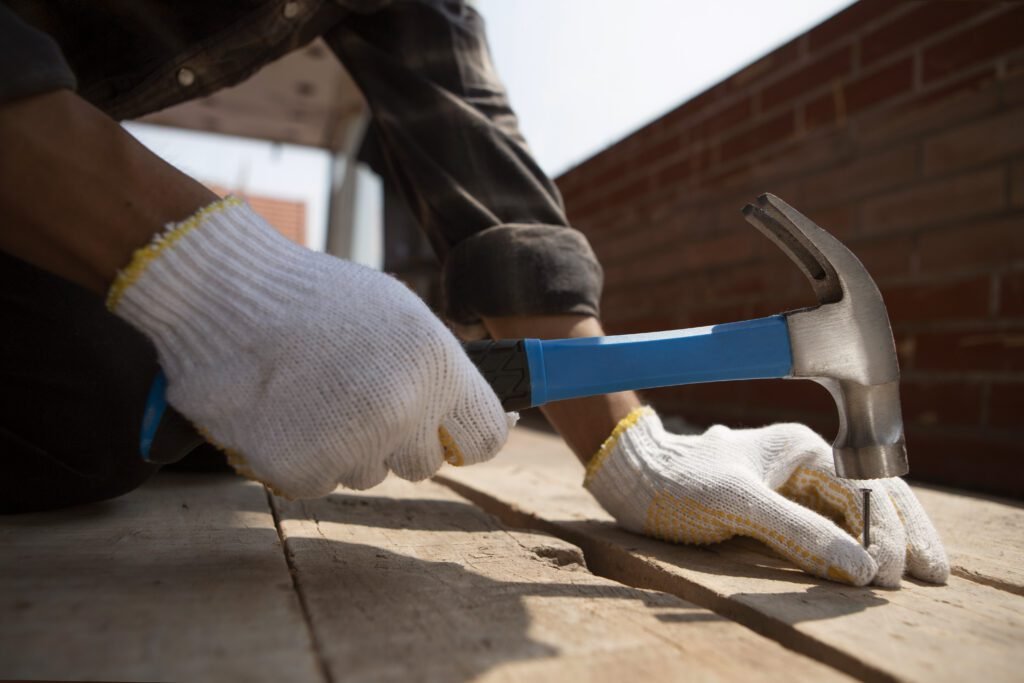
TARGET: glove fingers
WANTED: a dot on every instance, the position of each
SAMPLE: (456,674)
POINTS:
(477,428)
(841,500)
(419,457)
(926,555)
(365,473)
(812,542)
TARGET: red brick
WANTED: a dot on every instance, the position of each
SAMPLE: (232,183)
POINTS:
(988,40)
(790,395)
(770,132)
(630,193)
(1006,406)
(727,249)
(952,300)
(675,173)
(662,264)
(1013,85)
(1011,294)
(937,202)
(722,121)
(803,155)
(987,244)
(657,152)
(828,68)
(942,403)
(861,175)
(975,460)
(1017,184)
(908,29)
(840,221)
(823,110)
(759,281)
(885,256)
(890,81)
(683,115)
(992,350)
(935,109)
(991,138)
(849,21)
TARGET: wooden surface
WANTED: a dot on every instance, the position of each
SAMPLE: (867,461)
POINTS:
(985,537)
(183,579)
(188,579)
(413,582)
(963,631)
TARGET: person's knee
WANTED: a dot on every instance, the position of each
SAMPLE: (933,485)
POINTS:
(33,479)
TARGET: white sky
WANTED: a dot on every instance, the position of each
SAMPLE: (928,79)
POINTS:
(254,166)
(581,74)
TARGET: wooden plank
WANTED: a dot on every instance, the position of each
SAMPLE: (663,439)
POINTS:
(984,537)
(964,631)
(410,581)
(183,579)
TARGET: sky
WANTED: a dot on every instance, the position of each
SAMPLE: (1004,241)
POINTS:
(580,74)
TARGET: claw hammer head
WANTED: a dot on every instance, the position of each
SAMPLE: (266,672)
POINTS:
(845,343)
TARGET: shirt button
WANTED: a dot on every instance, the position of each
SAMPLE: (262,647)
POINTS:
(290,10)
(186,76)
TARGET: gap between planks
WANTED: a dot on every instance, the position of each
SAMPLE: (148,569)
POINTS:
(318,653)
(618,564)
(535,483)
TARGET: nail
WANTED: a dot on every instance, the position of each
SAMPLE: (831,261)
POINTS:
(867,516)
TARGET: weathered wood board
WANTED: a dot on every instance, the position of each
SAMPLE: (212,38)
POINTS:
(411,582)
(963,631)
(984,537)
(183,579)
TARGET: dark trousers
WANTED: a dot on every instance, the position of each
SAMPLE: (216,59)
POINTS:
(73,384)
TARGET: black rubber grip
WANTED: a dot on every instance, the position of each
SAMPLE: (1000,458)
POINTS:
(506,367)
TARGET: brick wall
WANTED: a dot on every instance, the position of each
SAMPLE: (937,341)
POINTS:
(286,215)
(900,128)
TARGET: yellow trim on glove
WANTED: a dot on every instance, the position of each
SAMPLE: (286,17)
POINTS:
(609,444)
(452,454)
(145,255)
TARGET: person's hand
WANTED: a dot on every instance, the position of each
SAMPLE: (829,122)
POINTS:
(308,370)
(776,484)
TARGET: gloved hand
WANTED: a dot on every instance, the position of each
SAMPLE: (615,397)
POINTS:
(776,484)
(308,370)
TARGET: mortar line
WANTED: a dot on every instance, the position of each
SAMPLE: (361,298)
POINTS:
(307,618)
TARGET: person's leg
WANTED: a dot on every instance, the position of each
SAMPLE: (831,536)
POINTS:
(73,385)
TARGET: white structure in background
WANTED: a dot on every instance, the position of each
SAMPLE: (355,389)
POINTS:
(356,217)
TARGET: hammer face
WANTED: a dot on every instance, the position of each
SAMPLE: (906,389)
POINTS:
(870,442)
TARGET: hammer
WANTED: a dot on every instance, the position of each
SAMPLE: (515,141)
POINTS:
(844,343)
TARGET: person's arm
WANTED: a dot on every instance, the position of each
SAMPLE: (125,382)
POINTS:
(282,356)
(586,422)
(79,194)
(453,149)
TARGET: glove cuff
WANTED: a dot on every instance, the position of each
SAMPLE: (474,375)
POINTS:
(207,283)
(637,415)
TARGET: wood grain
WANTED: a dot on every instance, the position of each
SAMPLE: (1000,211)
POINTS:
(923,633)
(183,579)
(412,582)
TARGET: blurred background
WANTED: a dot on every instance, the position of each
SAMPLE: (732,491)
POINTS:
(899,127)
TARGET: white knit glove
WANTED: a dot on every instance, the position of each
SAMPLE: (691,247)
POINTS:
(308,370)
(776,484)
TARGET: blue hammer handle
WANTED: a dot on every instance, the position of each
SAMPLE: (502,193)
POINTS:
(532,372)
